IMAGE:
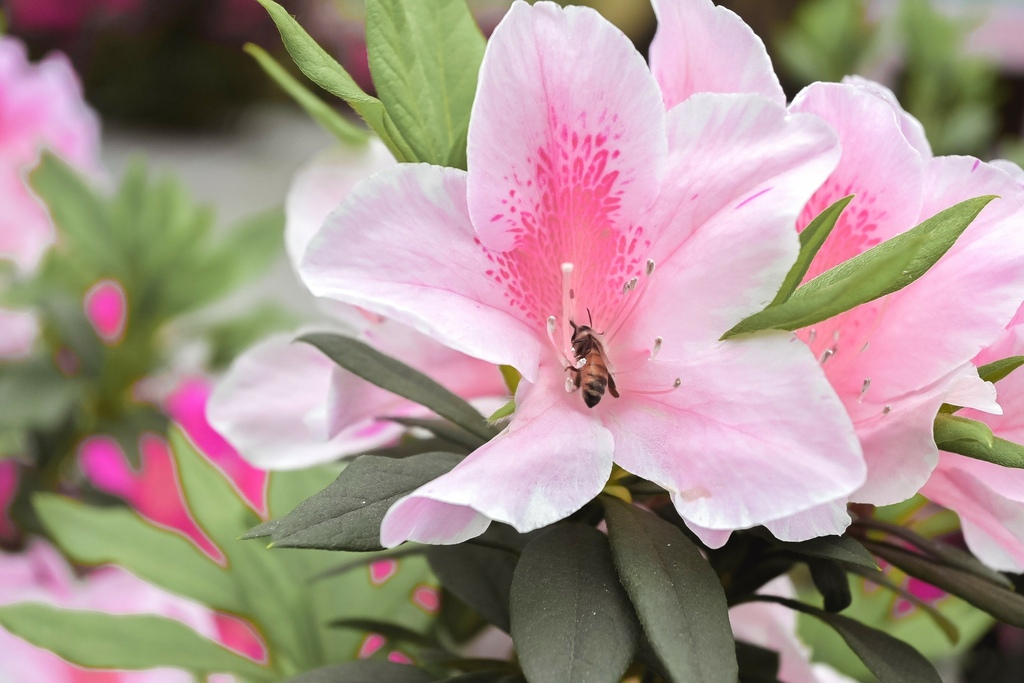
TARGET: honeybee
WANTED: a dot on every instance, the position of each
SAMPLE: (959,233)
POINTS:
(594,376)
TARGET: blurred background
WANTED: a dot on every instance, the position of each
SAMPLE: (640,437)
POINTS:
(172,85)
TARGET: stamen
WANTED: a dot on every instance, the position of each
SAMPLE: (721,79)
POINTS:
(826,354)
(656,349)
(865,347)
(886,410)
(570,385)
(580,363)
(864,389)
(568,295)
(650,267)
(629,285)
(653,392)
(812,335)
(627,310)
(552,326)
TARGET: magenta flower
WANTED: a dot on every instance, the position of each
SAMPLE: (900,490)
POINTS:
(586,204)
(284,405)
(41,106)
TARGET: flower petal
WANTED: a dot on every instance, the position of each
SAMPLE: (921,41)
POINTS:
(272,407)
(322,184)
(754,433)
(739,173)
(703,48)
(417,261)
(552,458)
(567,126)
(829,519)
(18,333)
(912,129)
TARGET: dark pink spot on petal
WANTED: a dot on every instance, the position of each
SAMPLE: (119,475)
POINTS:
(752,198)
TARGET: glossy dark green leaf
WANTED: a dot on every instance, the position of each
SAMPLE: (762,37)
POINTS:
(487,677)
(347,514)
(424,56)
(997,370)
(441,429)
(883,269)
(831,581)
(1001,603)
(677,595)
(757,664)
(975,439)
(365,671)
(811,240)
(325,71)
(319,111)
(889,659)
(398,378)
(838,548)
(124,641)
(478,575)
(571,619)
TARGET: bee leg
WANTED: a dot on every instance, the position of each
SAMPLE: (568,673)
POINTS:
(611,387)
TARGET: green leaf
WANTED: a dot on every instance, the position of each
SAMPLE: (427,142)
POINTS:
(478,575)
(424,56)
(974,439)
(441,429)
(365,671)
(829,578)
(571,620)
(756,664)
(398,378)
(883,269)
(879,578)
(35,395)
(118,535)
(393,632)
(325,71)
(319,111)
(347,514)
(811,240)
(997,370)
(888,658)
(838,548)
(119,641)
(1001,603)
(677,594)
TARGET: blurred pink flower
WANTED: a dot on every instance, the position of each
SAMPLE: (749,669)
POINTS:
(106,308)
(8,489)
(579,183)
(284,404)
(41,106)
(62,16)
(39,574)
(18,332)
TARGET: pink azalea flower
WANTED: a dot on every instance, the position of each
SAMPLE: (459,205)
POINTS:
(40,106)
(989,498)
(773,626)
(894,361)
(39,574)
(586,203)
(285,405)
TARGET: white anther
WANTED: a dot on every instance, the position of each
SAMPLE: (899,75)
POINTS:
(580,363)
(678,383)
(865,347)
(650,267)
(826,354)
(552,323)
(812,335)
(629,285)
(567,268)
(886,410)
(864,389)
(569,385)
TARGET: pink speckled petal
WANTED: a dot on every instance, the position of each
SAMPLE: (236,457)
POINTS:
(740,172)
(735,459)
(567,128)
(700,47)
(552,458)
(418,261)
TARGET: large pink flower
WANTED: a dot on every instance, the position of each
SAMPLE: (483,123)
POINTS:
(893,361)
(39,574)
(41,106)
(586,203)
(285,405)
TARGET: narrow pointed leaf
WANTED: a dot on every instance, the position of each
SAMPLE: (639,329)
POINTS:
(838,548)
(571,620)
(811,239)
(118,535)
(325,71)
(941,620)
(393,632)
(347,514)
(830,579)
(889,659)
(677,595)
(883,269)
(1001,603)
(124,641)
(318,110)
(398,378)
(997,370)
(441,429)
(424,56)
(974,439)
